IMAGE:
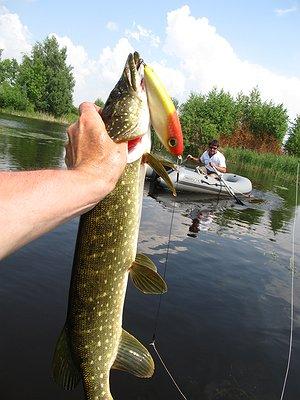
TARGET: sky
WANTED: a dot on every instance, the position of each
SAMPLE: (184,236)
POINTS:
(194,46)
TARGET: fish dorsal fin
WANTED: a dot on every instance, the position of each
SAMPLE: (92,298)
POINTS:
(144,276)
(158,167)
(64,371)
(133,357)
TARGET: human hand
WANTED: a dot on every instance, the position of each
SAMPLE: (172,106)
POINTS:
(189,156)
(92,153)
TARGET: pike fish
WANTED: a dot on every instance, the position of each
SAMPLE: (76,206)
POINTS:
(93,341)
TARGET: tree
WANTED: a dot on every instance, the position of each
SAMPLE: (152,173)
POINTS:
(99,102)
(292,146)
(9,70)
(12,97)
(263,118)
(206,117)
(47,79)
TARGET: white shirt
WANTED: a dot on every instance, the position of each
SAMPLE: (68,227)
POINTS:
(218,159)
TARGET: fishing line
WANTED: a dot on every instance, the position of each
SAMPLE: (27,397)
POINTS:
(292,267)
(169,373)
(166,260)
(160,296)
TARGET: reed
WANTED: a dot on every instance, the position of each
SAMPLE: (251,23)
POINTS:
(64,119)
(268,162)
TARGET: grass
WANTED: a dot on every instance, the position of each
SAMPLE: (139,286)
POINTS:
(268,162)
(64,119)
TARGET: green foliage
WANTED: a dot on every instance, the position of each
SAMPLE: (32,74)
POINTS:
(99,102)
(9,70)
(206,117)
(263,161)
(262,117)
(32,79)
(47,79)
(12,97)
(292,145)
(218,115)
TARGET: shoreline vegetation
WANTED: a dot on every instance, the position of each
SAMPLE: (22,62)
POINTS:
(64,119)
(276,164)
(251,130)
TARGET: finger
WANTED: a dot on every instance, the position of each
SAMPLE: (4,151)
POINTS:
(68,157)
(87,107)
(71,130)
(89,115)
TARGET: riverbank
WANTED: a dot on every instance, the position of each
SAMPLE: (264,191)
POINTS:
(281,166)
(267,163)
(65,119)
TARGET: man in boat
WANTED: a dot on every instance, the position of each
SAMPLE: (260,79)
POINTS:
(211,158)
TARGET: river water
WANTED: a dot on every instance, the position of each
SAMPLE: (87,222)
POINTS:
(223,326)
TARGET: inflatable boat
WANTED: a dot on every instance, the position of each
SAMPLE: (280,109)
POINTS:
(189,180)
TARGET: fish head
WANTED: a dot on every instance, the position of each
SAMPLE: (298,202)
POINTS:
(126,113)
(139,98)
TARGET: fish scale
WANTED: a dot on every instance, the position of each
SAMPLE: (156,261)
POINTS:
(97,289)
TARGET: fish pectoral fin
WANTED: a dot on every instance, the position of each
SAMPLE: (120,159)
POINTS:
(158,167)
(145,261)
(133,357)
(65,373)
(145,277)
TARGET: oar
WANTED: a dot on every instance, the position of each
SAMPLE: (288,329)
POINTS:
(230,191)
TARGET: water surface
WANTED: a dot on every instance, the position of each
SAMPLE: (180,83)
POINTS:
(223,327)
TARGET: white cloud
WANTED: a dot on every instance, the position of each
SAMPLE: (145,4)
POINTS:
(283,11)
(207,59)
(201,59)
(139,32)
(173,79)
(14,36)
(112,26)
(95,78)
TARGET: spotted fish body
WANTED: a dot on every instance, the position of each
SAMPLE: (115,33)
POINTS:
(93,341)
(105,251)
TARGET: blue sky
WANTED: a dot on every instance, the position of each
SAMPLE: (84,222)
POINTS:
(194,45)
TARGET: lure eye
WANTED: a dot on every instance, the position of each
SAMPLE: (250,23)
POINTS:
(172,142)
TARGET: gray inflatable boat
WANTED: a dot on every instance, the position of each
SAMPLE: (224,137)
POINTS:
(193,180)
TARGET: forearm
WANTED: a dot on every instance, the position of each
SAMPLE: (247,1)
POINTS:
(34,202)
(195,159)
(220,169)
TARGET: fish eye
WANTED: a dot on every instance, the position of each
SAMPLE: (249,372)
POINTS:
(172,142)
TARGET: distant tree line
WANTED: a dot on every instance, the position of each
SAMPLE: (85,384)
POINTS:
(244,121)
(44,82)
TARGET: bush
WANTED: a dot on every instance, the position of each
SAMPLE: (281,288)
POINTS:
(262,118)
(292,145)
(13,98)
(206,117)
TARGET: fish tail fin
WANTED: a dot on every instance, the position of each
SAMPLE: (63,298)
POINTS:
(65,373)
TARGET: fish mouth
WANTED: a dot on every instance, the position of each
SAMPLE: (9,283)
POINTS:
(139,146)
(133,143)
